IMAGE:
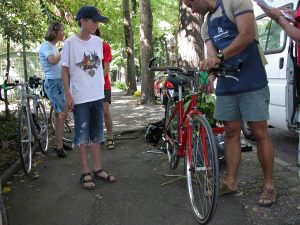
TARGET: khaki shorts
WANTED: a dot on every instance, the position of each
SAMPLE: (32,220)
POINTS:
(249,106)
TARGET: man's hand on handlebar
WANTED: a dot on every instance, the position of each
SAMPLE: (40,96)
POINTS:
(210,62)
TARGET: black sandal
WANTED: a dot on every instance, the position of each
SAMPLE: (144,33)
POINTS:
(110,144)
(84,181)
(107,178)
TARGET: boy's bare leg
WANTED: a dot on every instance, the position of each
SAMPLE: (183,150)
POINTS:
(82,152)
(108,120)
(95,148)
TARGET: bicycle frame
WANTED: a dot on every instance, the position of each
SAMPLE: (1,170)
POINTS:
(25,101)
(183,119)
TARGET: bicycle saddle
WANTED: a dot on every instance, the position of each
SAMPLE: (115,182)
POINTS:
(34,81)
(178,80)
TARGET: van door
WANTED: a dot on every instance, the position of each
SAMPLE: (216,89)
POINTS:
(280,70)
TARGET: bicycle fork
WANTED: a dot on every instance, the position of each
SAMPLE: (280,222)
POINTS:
(202,134)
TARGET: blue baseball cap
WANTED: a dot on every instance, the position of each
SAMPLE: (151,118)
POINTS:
(90,12)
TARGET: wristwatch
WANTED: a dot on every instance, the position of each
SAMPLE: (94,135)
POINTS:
(220,56)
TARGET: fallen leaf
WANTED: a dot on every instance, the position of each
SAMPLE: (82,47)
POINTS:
(6,190)
(35,176)
(239,194)
(255,209)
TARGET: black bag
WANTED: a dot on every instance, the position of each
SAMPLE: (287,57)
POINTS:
(154,131)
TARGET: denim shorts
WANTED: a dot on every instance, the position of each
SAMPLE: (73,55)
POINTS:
(249,106)
(107,96)
(55,91)
(88,118)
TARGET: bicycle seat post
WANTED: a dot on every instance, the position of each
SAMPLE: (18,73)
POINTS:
(179,92)
(193,86)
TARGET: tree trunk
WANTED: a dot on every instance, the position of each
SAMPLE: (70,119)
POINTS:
(7,75)
(131,77)
(146,51)
(190,44)
(114,76)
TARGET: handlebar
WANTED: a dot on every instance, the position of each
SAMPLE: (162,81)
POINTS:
(33,83)
(6,86)
(221,71)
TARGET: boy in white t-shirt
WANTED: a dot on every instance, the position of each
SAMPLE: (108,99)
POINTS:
(83,79)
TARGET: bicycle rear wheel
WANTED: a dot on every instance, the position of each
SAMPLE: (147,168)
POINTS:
(67,127)
(25,140)
(202,170)
(41,124)
(172,131)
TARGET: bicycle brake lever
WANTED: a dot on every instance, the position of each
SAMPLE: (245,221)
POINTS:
(232,77)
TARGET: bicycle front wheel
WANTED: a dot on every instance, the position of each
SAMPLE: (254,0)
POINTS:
(42,127)
(25,140)
(202,170)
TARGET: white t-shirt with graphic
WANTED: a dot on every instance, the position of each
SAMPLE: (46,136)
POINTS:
(84,60)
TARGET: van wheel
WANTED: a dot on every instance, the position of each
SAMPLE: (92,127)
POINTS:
(247,131)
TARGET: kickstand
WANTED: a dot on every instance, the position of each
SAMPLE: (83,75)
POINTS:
(178,177)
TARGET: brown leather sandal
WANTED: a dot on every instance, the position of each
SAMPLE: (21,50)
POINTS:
(107,178)
(267,198)
(225,190)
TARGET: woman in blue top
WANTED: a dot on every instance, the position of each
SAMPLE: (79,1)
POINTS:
(50,58)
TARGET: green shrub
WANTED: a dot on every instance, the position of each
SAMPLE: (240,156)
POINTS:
(120,85)
(206,104)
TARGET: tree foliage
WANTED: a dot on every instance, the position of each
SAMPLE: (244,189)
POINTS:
(15,12)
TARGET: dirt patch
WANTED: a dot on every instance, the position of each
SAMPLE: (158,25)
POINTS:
(8,142)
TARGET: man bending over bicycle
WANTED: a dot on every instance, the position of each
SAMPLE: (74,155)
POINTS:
(229,33)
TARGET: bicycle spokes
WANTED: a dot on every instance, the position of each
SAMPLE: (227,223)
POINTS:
(202,170)
(25,140)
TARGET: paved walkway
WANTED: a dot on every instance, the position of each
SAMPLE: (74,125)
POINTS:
(138,197)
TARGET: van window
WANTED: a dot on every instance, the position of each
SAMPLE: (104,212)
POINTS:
(272,37)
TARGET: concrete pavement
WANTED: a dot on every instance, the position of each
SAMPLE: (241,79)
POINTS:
(138,197)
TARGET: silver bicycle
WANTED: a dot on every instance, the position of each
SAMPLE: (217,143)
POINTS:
(32,120)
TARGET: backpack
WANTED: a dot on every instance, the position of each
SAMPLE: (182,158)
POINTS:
(154,131)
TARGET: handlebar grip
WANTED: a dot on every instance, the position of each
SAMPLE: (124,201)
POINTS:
(161,68)
(5,87)
(151,63)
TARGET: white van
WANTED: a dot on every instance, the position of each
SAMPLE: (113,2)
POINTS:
(284,81)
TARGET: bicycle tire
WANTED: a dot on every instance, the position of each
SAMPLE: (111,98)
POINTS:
(25,140)
(52,118)
(42,127)
(67,128)
(247,131)
(202,175)
(172,132)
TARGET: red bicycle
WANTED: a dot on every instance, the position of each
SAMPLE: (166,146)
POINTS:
(188,134)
